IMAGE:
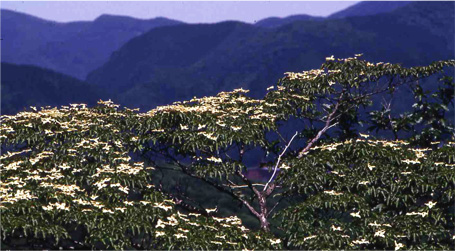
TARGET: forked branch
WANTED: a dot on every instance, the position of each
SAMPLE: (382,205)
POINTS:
(326,127)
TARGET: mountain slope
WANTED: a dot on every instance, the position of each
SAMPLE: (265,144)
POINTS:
(366,8)
(24,33)
(160,67)
(369,8)
(26,85)
(73,48)
(166,51)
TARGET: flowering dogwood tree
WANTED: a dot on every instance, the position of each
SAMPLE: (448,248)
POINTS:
(79,177)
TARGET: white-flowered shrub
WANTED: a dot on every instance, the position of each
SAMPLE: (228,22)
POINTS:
(84,177)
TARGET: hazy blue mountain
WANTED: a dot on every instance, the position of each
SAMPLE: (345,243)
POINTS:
(22,33)
(366,8)
(73,48)
(369,8)
(166,51)
(176,63)
(273,22)
(26,85)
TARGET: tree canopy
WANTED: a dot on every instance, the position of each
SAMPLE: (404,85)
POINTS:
(83,177)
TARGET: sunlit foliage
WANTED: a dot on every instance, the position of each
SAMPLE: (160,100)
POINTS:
(79,177)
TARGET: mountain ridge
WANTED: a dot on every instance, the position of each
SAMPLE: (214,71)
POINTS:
(79,47)
(368,8)
(273,22)
(72,48)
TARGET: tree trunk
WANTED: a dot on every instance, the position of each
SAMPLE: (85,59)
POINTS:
(265,225)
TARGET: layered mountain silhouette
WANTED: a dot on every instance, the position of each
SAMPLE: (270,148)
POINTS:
(76,48)
(26,85)
(144,63)
(176,63)
(73,48)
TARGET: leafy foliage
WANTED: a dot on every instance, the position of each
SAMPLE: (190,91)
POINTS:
(77,172)
(86,177)
(428,119)
(371,194)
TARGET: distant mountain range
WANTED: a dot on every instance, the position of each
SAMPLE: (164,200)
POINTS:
(176,63)
(77,48)
(73,48)
(144,63)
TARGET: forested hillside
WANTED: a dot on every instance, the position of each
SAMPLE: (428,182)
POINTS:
(26,85)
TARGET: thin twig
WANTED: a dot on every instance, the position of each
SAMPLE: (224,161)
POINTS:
(282,138)
(243,186)
(274,206)
(248,182)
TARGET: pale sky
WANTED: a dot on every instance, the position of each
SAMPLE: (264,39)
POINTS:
(186,11)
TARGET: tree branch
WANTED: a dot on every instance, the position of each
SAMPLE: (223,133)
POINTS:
(215,185)
(242,186)
(274,206)
(248,182)
(278,161)
(322,131)
(183,204)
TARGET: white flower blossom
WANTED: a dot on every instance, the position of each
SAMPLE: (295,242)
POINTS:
(158,233)
(276,241)
(284,166)
(309,237)
(331,192)
(178,235)
(215,159)
(423,214)
(398,245)
(364,135)
(362,241)
(380,233)
(430,204)
(371,167)
(356,214)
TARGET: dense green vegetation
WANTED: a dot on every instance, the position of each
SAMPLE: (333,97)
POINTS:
(100,177)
